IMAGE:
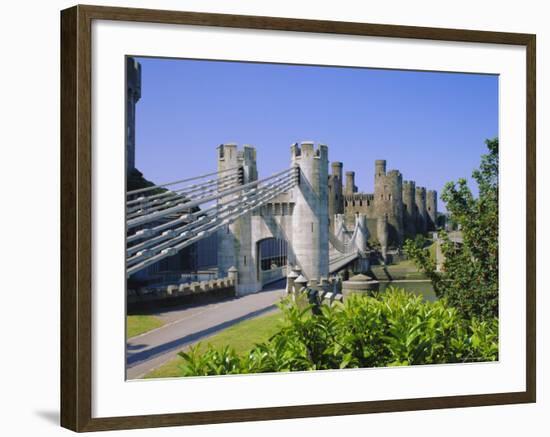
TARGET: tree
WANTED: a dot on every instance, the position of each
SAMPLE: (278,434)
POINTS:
(469,277)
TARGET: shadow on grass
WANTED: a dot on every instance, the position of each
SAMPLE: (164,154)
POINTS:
(134,358)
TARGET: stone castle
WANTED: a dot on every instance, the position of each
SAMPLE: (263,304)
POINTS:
(396,210)
(314,218)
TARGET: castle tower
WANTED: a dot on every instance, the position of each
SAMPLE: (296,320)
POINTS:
(409,208)
(431,209)
(235,247)
(379,168)
(133,94)
(388,200)
(337,170)
(350,183)
(335,199)
(422,217)
(310,217)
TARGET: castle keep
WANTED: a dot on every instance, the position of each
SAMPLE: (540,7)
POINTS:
(396,210)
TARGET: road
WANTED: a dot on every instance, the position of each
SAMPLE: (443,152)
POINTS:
(185,326)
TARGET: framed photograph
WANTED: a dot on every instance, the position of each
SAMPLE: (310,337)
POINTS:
(270,218)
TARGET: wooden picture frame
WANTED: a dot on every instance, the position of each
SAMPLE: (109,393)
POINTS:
(76,217)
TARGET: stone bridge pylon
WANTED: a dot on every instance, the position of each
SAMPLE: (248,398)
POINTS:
(298,216)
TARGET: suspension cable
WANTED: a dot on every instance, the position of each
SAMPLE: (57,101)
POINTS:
(142,190)
(252,203)
(182,191)
(188,205)
(166,250)
(155,205)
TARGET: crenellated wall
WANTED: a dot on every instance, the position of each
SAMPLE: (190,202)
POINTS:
(177,294)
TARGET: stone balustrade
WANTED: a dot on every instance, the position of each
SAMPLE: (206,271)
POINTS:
(184,293)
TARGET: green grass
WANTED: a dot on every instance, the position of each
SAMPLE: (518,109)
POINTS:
(242,337)
(136,325)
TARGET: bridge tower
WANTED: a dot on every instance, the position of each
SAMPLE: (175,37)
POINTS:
(235,246)
(310,218)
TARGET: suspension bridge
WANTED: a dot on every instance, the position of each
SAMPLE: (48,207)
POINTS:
(243,210)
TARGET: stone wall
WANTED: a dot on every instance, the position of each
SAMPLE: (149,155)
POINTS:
(179,294)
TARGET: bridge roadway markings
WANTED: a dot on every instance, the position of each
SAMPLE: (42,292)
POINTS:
(184,327)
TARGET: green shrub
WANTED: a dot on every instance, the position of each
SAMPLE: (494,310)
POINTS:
(469,275)
(394,328)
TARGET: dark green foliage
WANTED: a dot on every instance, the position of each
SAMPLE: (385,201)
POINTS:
(135,180)
(393,328)
(469,277)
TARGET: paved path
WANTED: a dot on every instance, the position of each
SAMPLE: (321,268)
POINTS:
(185,326)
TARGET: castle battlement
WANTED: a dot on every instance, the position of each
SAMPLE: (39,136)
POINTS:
(394,174)
(359,196)
(308,149)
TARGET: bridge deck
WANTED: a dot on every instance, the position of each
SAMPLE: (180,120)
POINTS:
(341,261)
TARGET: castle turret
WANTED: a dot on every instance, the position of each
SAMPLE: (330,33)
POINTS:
(422,217)
(310,217)
(431,209)
(379,168)
(133,94)
(337,170)
(234,240)
(409,208)
(336,199)
(388,200)
(350,183)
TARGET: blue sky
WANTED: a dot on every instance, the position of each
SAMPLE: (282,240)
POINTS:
(430,126)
